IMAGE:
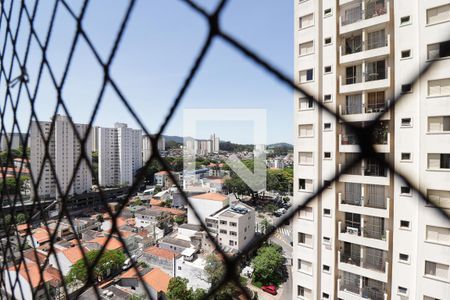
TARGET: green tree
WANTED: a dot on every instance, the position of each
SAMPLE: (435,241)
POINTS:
(265,225)
(157,189)
(178,289)
(267,264)
(110,261)
(21,218)
(215,270)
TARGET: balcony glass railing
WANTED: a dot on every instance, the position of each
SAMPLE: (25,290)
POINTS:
(374,233)
(375,170)
(366,77)
(363,108)
(356,14)
(352,201)
(352,46)
(372,293)
(350,287)
(351,258)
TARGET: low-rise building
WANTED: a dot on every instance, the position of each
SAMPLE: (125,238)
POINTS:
(205,205)
(161,258)
(233,226)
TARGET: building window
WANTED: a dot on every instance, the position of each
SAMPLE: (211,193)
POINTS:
(438,161)
(306,21)
(405,190)
(406,88)
(406,122)
(325,296)
(327,98)
(223,231)
(439,198)
(406,156)
(233,224)
(305,239)
(327,12)
(405,20)
(327,155)
(303,292)
(328,183)
(304,266)
(233,233)
(438,50)
(440,235)
(438,14)
(406,53)
(306,48)
(326,268)
(305,103)
(231,243)
(402,291)
(327,212)
(326,240)
(306,75)
(326,126)
(439,87)
(436,270)
(222,222)
(305,185)
(439,124)
(305,130)
(403,257)
(405,224)
(305,158)
(327,41)
(327,69)
(306,213)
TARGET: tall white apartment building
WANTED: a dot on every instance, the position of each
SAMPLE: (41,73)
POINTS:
(64,151)
(147,146)
(369,236)
(119,154)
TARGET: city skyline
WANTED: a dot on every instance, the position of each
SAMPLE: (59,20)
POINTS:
(151,80)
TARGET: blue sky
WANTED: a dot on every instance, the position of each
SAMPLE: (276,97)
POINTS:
(160,43)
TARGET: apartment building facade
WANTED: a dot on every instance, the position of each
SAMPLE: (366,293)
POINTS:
(64,150)
(358,238)
(147,146)
(119,155)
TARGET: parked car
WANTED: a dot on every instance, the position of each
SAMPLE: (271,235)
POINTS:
(271,289)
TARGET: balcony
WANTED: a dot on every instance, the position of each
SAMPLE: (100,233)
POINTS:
(349,143)
(365,82)
(365,172)
(356,291)
(364,50)
(367,14)
(354,263)
(362,206)
(363,112)
(363,236)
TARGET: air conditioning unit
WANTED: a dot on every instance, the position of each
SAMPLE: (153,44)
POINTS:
(352,230)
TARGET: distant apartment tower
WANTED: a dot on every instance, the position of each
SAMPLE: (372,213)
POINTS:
(13,139)
(64,151)
(369,236)
(215,142)
(202,147)
(119,155)
(147,146)
(94,134)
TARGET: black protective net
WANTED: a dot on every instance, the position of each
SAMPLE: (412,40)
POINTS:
(17,22)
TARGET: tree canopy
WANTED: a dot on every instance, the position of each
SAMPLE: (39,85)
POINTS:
(267,264)
(178,290)
(110,261)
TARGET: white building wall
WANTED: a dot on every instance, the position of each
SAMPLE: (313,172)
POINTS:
(64,151)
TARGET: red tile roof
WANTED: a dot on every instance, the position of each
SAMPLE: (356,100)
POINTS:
(211,196)
(157,279)
(163,253)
